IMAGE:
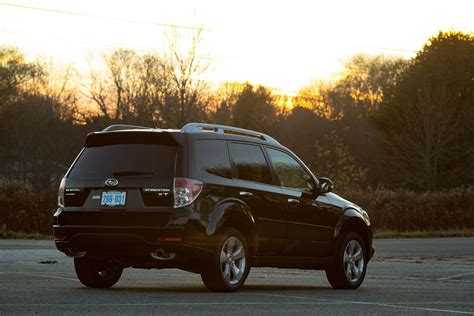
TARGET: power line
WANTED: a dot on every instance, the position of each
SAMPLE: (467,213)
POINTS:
(105,44)
(165,24)
(103,17)
(92,43)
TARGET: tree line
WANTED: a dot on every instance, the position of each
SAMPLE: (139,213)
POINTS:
(385,121)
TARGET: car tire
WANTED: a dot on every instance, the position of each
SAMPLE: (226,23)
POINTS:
(350,266)
(97,273)
(228,266)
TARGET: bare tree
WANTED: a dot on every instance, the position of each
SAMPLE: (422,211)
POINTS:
(114,91)
(59,86)
(167,90)
(187,99)
(132,89)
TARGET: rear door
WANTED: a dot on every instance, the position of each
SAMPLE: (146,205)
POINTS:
(256,186)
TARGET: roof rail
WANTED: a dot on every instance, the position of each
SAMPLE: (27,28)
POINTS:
(223,129)
(121,127)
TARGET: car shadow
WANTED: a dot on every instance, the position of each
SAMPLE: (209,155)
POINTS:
(203,289)
(284,287)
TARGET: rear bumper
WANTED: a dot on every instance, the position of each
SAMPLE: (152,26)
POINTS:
(126,238)
(133,247)
(129,231)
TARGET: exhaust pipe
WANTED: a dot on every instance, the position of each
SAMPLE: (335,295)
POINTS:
(72,254)
(160,254)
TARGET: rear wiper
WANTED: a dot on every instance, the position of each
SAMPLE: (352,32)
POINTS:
(130,173)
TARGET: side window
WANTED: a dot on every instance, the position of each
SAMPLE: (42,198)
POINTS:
(290,172)
(250,163)
(212,157)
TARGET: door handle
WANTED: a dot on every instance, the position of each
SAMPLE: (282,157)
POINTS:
(247,194)
(293,201)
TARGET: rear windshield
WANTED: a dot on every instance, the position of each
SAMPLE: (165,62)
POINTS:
(125,160)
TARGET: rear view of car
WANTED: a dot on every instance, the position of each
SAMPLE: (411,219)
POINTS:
(116,200)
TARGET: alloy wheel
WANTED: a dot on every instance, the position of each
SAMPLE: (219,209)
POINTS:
(232,260)
(353,261)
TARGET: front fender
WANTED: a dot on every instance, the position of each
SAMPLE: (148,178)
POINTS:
(351,215)
(228,208)
(355,220)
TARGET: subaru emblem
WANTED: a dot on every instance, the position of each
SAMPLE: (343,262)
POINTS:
(111,182)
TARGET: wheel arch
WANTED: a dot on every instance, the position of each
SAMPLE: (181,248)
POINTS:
(353,221)
(236,214)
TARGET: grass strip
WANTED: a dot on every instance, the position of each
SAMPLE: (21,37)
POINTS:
(378,234)
(459,232)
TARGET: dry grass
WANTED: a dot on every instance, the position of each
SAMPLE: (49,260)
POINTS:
(9,234)
(409,211)
(462,232)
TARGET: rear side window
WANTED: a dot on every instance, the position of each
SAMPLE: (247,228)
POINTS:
(212,157)
(250,163)
(125,160)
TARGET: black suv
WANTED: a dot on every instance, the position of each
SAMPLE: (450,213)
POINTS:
(209,199)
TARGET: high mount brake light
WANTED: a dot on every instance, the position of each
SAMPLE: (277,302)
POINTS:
(186,191)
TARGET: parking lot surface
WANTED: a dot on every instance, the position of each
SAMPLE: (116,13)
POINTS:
(407,276)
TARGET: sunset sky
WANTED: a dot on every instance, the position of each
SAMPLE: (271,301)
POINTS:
(281,44)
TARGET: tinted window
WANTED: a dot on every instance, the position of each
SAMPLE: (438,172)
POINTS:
(250,163)
(125,159)
(212,157)
(289,171)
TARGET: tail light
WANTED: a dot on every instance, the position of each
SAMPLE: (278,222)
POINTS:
(186,191)
(61,192)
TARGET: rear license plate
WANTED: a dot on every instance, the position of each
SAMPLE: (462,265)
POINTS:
(113,198)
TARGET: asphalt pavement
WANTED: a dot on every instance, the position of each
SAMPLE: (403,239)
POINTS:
(407,276)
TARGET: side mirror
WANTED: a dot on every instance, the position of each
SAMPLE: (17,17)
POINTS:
(325,185)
